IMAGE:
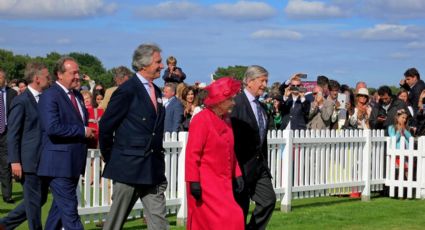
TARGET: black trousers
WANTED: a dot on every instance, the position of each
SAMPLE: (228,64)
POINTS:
(5,173)
(262,193)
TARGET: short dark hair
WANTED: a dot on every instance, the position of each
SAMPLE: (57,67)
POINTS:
(333,85)
(385,90)
(322,80)
(412,72)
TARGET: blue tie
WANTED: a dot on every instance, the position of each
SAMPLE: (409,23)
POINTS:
(2,113)
(261,125)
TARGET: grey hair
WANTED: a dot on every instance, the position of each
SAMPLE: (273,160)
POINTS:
(142,56)
(171,86)
(253,72)
(32,69)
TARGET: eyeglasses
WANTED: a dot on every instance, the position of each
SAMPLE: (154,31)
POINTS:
(296,85)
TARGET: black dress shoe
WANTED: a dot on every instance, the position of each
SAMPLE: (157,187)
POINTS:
(9,200)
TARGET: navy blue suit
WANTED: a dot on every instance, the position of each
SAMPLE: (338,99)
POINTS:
(173,115)
(134,155)
(23,141)
(63,153)
(5,173)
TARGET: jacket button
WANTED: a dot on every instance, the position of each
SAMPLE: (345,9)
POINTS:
(153,134)
(258,157)
(144,119)
(151,150)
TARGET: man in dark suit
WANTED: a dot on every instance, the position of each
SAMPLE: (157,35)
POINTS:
(295,107)
(249,122)
(64,130)
(412,82)
(130,138)
(6,96)
(23,142)
(173,109)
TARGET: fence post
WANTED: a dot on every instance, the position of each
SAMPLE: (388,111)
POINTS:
(181,185)
(367,149)
(420,167)
(287,168)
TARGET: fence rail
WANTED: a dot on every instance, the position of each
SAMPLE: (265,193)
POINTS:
(306,163)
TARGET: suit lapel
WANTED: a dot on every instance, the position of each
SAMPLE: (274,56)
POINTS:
(67,100)
(31,98)
(250,112)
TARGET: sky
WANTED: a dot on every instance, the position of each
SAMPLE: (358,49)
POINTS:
(347,40)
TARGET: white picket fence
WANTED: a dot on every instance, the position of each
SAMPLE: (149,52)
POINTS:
(407,179)
(322,163)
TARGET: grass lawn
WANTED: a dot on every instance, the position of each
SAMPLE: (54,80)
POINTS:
(312,213)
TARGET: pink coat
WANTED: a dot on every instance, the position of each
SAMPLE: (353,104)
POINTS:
(211,160)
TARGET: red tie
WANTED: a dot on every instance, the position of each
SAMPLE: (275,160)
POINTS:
(74,103)
(152,95)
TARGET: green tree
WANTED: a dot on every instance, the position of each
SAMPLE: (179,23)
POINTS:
(237,72)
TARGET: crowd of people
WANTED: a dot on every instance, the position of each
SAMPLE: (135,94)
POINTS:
(48,123)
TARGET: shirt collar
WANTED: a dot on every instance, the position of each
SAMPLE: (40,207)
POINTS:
(63,87)
(34,92)
(250,97)
(142,79)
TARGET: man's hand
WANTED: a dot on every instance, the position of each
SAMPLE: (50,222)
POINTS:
(90,132)
(238,184)
(17,170)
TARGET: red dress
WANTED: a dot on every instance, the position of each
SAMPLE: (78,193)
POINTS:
(211,160)
(94,117)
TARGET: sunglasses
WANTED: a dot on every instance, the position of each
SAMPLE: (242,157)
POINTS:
(296,85)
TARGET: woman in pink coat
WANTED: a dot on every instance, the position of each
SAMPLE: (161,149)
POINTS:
(212,171)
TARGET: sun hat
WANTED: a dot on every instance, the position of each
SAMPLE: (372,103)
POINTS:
(363,91)
(221,90)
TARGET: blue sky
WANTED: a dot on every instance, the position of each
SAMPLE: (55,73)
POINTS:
(347,40)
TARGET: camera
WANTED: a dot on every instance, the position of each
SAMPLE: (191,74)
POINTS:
(294,88)
(423,100)
(82,76)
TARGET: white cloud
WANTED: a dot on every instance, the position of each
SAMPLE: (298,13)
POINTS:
(312,9)
(394,9)
(180,10)
(170,10)
(63,41)
(277,34)
(386,32)
(416,45)
(35,9)
(399,56)
(244,10)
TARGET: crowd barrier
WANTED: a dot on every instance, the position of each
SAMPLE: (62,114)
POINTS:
(306,163)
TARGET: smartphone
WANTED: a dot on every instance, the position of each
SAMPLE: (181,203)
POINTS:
(303,75)
(342,99)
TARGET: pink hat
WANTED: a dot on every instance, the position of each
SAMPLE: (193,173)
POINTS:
(221,89)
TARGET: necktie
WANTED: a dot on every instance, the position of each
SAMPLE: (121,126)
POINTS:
(152,95)
(74,103)
(2,113)
(261,124)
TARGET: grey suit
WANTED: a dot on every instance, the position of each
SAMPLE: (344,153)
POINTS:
(173,115)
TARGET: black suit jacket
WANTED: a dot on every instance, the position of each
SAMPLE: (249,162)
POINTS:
(131,135)
(23,135)
(10,95)
(414,94)
(250,152)
(297,114)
